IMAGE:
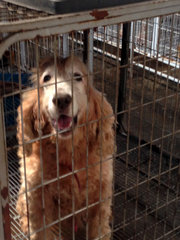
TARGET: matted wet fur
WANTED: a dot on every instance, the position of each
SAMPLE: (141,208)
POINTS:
(91,117)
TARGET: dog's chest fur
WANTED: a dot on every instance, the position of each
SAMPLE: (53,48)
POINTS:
(70,183)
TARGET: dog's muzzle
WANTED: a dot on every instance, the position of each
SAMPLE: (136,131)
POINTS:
(64,122)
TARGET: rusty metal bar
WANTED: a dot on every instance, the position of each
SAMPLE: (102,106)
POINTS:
(4,199)
(28,29)
(100,17)
(1,219)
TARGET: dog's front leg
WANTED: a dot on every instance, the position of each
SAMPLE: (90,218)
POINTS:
(99,217)
(43,214)
(35,221)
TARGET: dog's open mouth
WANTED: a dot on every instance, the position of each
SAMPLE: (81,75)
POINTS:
(64,123)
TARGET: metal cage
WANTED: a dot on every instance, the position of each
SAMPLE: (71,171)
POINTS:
(133,57)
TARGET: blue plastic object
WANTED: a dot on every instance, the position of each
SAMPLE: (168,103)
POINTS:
(11,103)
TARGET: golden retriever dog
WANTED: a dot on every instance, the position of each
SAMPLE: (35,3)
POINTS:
(66,144)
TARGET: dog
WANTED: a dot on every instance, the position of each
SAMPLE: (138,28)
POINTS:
(66,144)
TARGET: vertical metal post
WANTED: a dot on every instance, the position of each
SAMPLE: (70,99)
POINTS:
(155,37)
(23,55)
(65,45)
(4,199)
(85,46)
(88,50)
(123,71)
(131,49)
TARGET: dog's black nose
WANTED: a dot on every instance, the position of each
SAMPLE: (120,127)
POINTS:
(62,102)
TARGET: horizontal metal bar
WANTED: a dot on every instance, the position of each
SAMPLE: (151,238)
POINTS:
(166,61)
(58,24)
(159,73)
(163,6)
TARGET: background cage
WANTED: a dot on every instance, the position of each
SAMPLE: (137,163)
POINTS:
(133,50)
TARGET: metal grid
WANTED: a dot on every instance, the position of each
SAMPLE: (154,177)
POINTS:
(157,28)
(10,12)
(152,37)
(147,162)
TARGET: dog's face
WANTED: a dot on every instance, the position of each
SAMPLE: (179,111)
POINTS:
(64,93)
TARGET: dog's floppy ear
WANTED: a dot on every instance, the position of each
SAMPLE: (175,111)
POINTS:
(99,109)
(30,118)
(38,118)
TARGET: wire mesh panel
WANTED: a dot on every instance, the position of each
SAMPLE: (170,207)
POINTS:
(79,166)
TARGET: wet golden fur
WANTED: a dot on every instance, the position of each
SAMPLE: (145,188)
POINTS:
(100,147)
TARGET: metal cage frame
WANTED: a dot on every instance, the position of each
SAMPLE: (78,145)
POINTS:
(47,25)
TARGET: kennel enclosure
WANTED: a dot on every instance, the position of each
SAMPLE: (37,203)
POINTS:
(133,56)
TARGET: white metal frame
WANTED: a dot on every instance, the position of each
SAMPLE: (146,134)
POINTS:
(58,24)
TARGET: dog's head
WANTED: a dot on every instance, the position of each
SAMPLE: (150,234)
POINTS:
(64,100)
(63,92)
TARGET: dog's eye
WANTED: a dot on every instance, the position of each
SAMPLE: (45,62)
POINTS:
(47,78)
(77,77)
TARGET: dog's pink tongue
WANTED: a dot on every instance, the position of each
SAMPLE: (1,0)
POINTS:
(64,122)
